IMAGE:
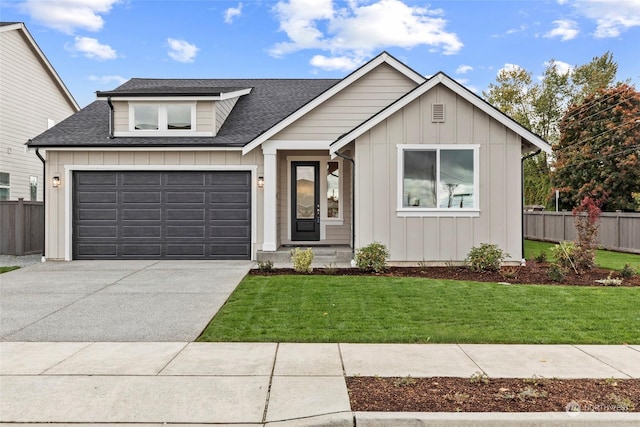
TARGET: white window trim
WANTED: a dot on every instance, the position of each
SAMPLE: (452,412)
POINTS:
(402,211)
(162,122)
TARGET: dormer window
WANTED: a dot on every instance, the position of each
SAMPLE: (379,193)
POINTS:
(160,117)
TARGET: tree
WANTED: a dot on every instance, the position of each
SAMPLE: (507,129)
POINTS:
(598,155)
(598,74)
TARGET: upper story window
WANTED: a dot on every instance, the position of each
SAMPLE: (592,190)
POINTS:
(438,180)
(162,117)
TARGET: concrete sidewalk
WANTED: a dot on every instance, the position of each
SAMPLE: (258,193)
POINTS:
(268,384)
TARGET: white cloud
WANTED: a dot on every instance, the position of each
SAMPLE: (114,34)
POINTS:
(507,68)
(566,29)
(181,50)
(611,16)
(463,69)
(342,63)
(105,80)
(232,12)
(562,67)
(91,48)
(355,31)
(69,15)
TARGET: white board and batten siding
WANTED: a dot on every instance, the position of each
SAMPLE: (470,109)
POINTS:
(32,100)
(59,162)
(438,238)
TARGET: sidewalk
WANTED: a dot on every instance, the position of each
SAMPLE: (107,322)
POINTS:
(268,384)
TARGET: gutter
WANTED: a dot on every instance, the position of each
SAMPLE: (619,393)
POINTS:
(44,202)
(522,198)
(353,200)
(110,117)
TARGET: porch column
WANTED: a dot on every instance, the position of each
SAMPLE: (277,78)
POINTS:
(270,184)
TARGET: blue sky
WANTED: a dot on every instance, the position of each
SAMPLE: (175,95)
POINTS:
(98,44)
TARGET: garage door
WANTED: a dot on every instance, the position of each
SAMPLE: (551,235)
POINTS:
(162,215)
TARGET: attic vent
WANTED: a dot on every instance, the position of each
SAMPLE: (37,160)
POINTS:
(437,113)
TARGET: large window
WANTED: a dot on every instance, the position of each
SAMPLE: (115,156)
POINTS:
(438,178)
(162,117)
(4,186)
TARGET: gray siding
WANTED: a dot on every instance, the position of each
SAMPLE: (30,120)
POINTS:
(30,97)
(438,238)
(350,107)
(223,109)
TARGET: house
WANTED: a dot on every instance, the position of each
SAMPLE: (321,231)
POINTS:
(33,99)
(237,168)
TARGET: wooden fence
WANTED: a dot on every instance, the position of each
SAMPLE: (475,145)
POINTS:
(619,231)
(21,227)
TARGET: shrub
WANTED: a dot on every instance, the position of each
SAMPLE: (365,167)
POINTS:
(265,266)
(541,257)
(587,220)
(302,260)
(556,273)
(372,257)
(563,254)
(486,257)
(627,272)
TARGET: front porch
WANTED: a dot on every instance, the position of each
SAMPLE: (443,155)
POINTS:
(324,255)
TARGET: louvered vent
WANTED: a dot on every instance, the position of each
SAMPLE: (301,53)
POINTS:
(437,113)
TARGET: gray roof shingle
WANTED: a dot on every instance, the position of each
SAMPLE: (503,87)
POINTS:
(270,101)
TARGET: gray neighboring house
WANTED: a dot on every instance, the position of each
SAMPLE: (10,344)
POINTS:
(238,168)
(32,99)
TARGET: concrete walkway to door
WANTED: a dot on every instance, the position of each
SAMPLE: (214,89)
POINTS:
(115,300)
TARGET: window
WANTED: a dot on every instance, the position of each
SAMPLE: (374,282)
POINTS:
(333,190)
(438,178)
(4,186)
(33,188)
(162,117)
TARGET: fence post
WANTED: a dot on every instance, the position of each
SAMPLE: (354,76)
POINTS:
(19,227)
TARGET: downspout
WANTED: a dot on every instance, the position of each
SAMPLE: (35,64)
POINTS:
(110,117)
(522,198)
(44,202)
(353,200)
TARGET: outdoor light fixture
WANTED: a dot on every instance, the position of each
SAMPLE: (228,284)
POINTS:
(56,181)
(260,182)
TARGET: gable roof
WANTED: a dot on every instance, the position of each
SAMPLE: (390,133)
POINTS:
(384,57)
(19,26)
(269,101)
(443,79)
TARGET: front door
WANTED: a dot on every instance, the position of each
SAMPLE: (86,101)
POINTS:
(305,201)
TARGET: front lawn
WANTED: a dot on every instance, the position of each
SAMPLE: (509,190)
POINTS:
(604,259)
(410,310)
(7,269)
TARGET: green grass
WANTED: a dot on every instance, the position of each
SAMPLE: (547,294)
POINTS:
(604,259)
(6,269)
(410,310)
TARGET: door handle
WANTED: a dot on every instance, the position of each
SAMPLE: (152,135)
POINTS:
(318,214)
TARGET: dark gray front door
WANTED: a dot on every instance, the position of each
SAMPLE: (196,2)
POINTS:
(305,201)
(161,215)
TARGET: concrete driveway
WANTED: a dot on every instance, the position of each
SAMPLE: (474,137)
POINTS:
(115,300)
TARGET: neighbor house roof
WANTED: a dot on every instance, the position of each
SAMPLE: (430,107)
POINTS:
(19,26)
(441,78)
(269,101)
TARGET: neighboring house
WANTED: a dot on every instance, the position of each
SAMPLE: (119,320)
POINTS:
(235,169)
(32,99)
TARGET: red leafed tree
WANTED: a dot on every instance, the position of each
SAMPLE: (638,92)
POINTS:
(598,155)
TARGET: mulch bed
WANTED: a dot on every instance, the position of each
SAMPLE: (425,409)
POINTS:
(532,273)
(446,394)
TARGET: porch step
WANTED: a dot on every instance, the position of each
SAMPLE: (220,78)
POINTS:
(321,255)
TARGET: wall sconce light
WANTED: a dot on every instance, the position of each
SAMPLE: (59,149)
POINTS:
(56,181)
(260,182)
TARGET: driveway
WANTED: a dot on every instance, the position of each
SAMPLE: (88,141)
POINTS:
(115,300)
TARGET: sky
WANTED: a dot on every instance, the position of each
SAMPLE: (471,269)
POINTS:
(96,45)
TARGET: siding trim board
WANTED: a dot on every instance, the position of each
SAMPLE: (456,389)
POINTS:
(68,189)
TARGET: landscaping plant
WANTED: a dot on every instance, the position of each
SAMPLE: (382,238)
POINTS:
(302,260)
(587,220)
(372,257)
(486,257)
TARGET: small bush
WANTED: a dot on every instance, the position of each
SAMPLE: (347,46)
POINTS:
(563,254)
(372,257)
(486,257)
(302,260)
(627,272)
(556,273)
(510,271)
(265,266)
(541,257)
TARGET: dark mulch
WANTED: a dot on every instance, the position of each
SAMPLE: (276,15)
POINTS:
(446,394)
(532,273)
